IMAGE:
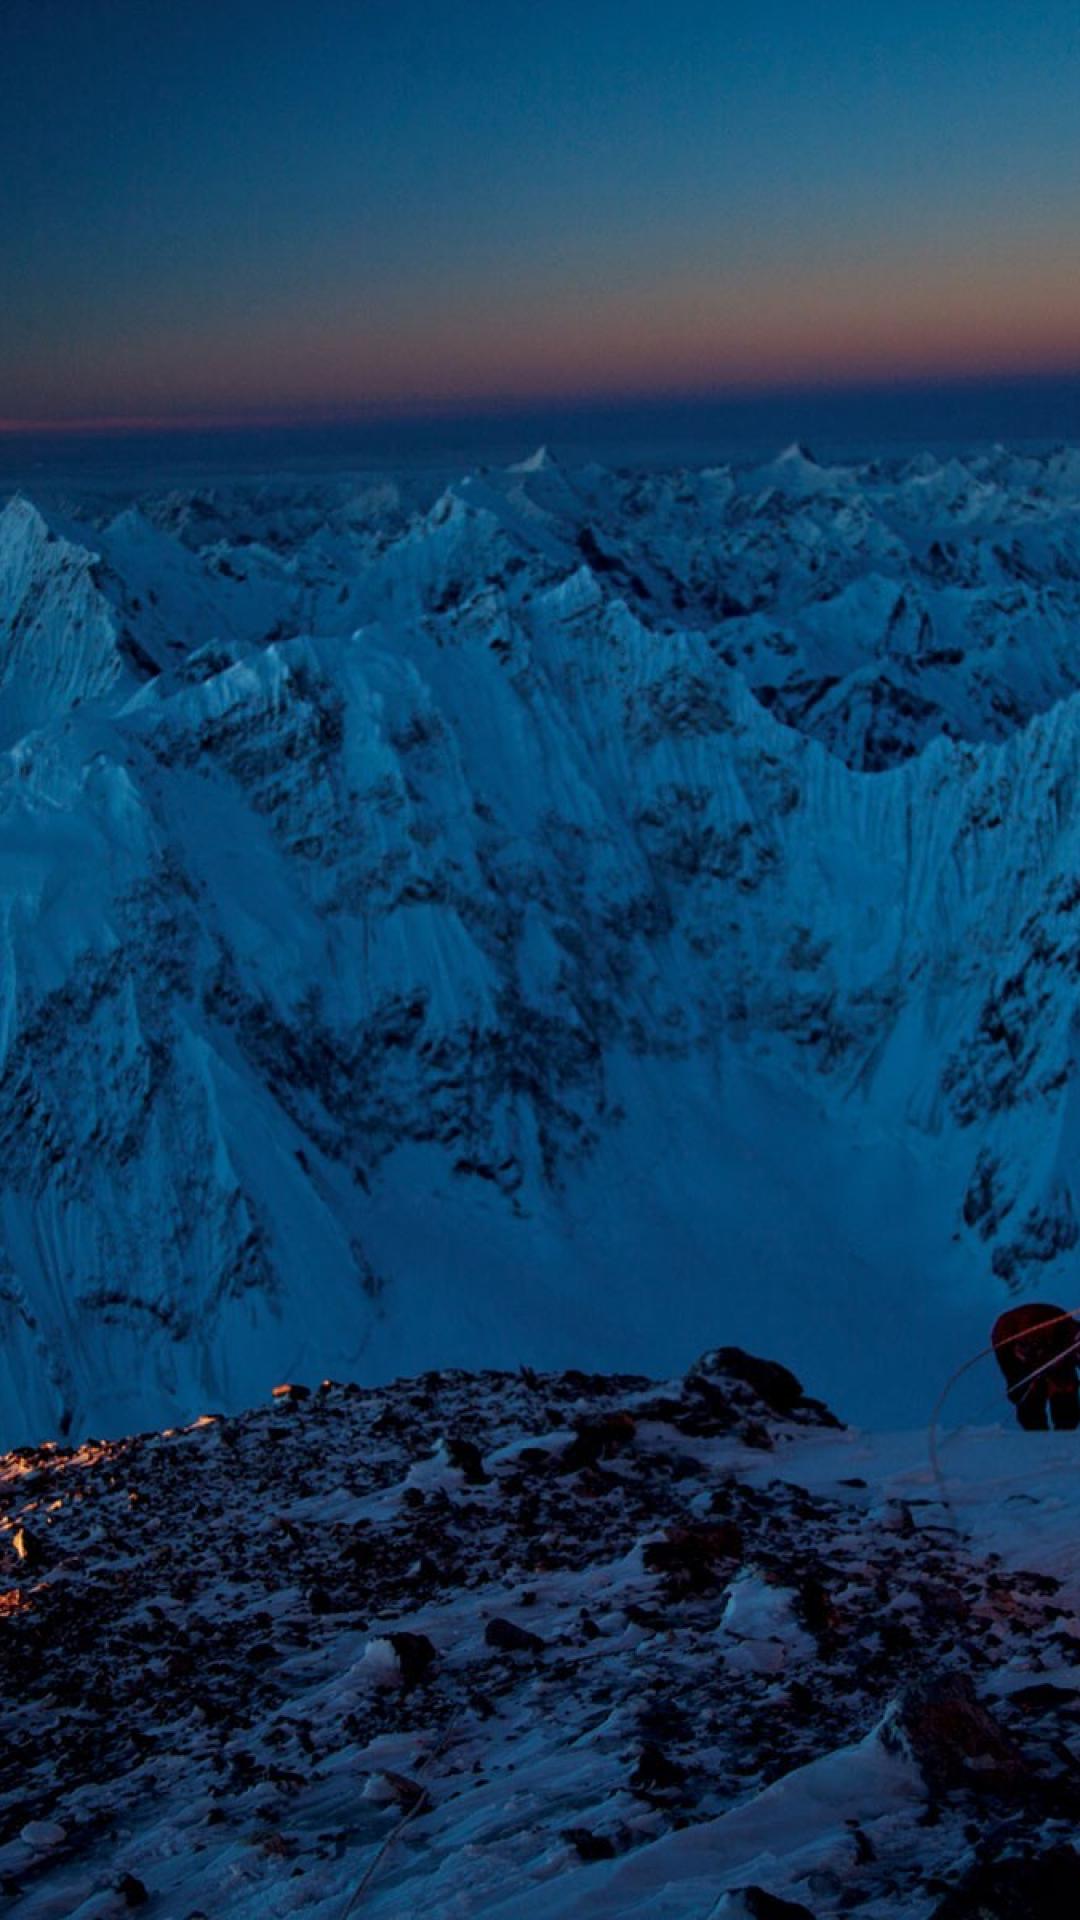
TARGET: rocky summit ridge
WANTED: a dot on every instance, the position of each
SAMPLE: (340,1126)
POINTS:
(550,1645)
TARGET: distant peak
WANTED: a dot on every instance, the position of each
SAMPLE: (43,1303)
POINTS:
(538,462)
(19,510)
(796,452)
(23,527)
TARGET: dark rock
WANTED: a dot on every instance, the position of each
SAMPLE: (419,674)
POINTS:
(533,1460)
(645,1617)
(29,1549)
(697,1557)
(427,1571)
(1043,1697)
(759,1905)
(291,1391)
(655,1774)
(509,1638)
(865,1850)
(589,1846)
(756,1904)
(662,1722)
(1045,1886)
(415,1654)
(133,1891)
(816,1608)
(467,1457)
(596,1439)
(955,1740)
(406,1791)
(772,1383)
(801,1701)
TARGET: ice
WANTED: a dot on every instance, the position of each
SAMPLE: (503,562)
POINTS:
(547,917)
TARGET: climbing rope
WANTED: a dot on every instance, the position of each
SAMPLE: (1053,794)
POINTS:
(1025,1333)
(422,1804)
(1018,1387)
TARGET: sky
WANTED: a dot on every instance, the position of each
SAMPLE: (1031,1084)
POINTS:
(231,212)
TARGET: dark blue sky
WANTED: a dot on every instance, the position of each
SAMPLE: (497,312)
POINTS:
(234,210)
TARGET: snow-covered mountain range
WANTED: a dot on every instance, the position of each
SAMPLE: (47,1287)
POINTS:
(534,916)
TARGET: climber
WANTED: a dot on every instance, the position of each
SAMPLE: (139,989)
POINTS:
(1040,1341)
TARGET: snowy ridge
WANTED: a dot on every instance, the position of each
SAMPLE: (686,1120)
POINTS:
(621,1648)
(58,639)
(552,911)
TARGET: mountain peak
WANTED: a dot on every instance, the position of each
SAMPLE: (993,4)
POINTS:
(796,454)
(540,461)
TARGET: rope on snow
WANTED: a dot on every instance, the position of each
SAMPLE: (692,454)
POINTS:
(1025,1333)
(422,1804)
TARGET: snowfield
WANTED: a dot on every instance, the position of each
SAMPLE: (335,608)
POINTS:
(533,916)
(557,1646)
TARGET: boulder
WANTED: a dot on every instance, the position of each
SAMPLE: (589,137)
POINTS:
(954,1739)
(510,1638)
(415,1656)
(1044,1886)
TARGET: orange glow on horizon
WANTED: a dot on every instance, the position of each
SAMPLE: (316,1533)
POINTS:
(858,373)
(859,323)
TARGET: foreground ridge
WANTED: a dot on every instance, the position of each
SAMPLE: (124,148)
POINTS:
(531,1644)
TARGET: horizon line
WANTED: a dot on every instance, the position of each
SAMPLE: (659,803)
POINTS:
(509,406)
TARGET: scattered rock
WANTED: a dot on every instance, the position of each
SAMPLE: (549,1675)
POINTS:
(415,1654)
(655,1774)
(954,1739)
(589,1846)
(696,1556)
(1043,1886)
(771,1382)
(251,1575)
(1044,1697)
(598,1437)
(753,1903)
(466,1456)
(510,1638)
(394,1789)
(29,1549)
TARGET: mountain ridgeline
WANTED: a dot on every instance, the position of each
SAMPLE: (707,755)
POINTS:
(550,916)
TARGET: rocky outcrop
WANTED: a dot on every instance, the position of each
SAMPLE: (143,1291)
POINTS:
(268,1658)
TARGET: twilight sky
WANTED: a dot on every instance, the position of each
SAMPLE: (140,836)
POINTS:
(216,211)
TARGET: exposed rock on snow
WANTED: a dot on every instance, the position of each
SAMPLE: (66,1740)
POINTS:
(954,1738)
(265,1668)
(1043,1886)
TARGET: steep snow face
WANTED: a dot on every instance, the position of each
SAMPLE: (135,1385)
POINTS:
(555,912)
(57,635)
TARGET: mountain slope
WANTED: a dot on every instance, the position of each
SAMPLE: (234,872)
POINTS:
(428,936)
(620,1648)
